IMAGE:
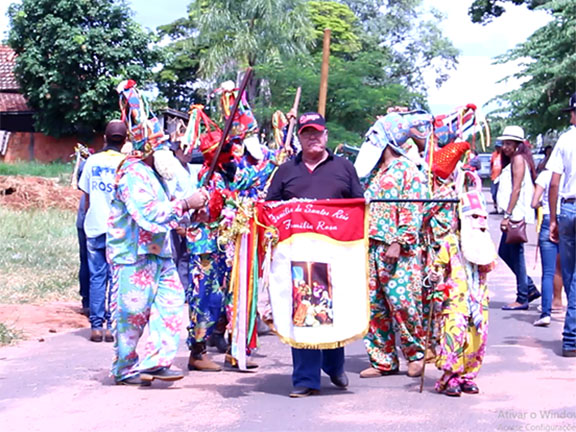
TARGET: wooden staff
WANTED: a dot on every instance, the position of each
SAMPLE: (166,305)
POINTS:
(228,125)
(324,73)
(427,340)
(292,120)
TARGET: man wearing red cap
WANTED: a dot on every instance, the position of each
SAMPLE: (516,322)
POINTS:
(315,173)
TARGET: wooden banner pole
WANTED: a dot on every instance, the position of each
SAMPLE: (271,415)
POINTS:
(324,73)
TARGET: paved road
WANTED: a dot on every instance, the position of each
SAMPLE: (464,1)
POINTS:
(62,384)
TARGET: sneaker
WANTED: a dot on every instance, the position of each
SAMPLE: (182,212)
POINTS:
(543,321)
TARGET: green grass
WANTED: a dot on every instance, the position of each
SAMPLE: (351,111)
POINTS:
(8,335)
(59,170)
(39,259)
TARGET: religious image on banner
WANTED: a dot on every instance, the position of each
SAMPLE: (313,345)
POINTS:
(316,273)
(311,294)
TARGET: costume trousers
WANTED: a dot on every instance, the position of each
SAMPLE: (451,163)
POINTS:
(147,292)
(205,294)
(308,363)
(461,349)
(394,300)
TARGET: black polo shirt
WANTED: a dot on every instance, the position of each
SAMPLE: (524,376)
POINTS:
(335,177)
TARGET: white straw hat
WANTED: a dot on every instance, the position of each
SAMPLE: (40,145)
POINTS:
(512,133)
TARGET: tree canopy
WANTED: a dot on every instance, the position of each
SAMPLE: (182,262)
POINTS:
(547,65)
(71,55)
(484,11)
(282,40)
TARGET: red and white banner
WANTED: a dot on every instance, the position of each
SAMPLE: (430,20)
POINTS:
(318,277)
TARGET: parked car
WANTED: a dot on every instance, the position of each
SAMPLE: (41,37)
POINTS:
(484,171)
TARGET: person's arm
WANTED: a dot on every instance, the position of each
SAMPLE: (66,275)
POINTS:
(356,190)
(553,203)
(275,189)
(517,168)
(537,197)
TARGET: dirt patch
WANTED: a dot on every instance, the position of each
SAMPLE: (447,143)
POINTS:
(36,321)
(24,193)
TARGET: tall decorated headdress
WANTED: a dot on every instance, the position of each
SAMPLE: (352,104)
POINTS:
(393,130)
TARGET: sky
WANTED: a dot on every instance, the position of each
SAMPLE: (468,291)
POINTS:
(474,81)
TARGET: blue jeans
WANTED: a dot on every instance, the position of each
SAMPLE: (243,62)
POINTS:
(513,256)
(99,278)
(567,235)
(548,253)
(494,193)
(307,364)
(84,271)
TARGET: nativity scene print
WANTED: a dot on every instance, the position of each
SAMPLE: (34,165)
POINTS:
(311,294)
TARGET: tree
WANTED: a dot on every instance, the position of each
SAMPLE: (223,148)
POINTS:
(176,80)
(71,55)
(414,42)
(484,11)
(245,33)
(342,22)
(548,62)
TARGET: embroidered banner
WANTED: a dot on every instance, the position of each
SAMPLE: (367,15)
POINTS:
(318,278)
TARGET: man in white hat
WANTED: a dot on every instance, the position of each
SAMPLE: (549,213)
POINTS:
(563,226)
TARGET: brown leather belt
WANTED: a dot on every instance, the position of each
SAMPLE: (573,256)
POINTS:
(568,200)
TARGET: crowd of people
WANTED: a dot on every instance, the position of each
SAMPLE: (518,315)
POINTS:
(155,238)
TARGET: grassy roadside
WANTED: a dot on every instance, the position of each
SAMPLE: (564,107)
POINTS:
(59,170)
(8,334)
(39,259)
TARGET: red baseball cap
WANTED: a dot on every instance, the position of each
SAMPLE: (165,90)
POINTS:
(313,120)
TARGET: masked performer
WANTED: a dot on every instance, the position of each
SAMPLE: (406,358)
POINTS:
(394,270)
(146,289)
(466,255)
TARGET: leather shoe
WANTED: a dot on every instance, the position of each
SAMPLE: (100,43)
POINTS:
(108,336)
(452,391)
(231,362)
(162,374)
(372,372)
(202,363)
(515,306)
(135,380)
(96,336)
(300,392)
(415,368)
(469,387)
(340,380)
(569,353)
(219,341)
(534,295)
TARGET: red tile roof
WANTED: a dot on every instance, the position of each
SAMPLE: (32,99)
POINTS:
(7,61)
(10,102)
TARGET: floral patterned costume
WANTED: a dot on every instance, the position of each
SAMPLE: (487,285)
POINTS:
(145,288)
(394,288)
(209,278)
(464,316)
